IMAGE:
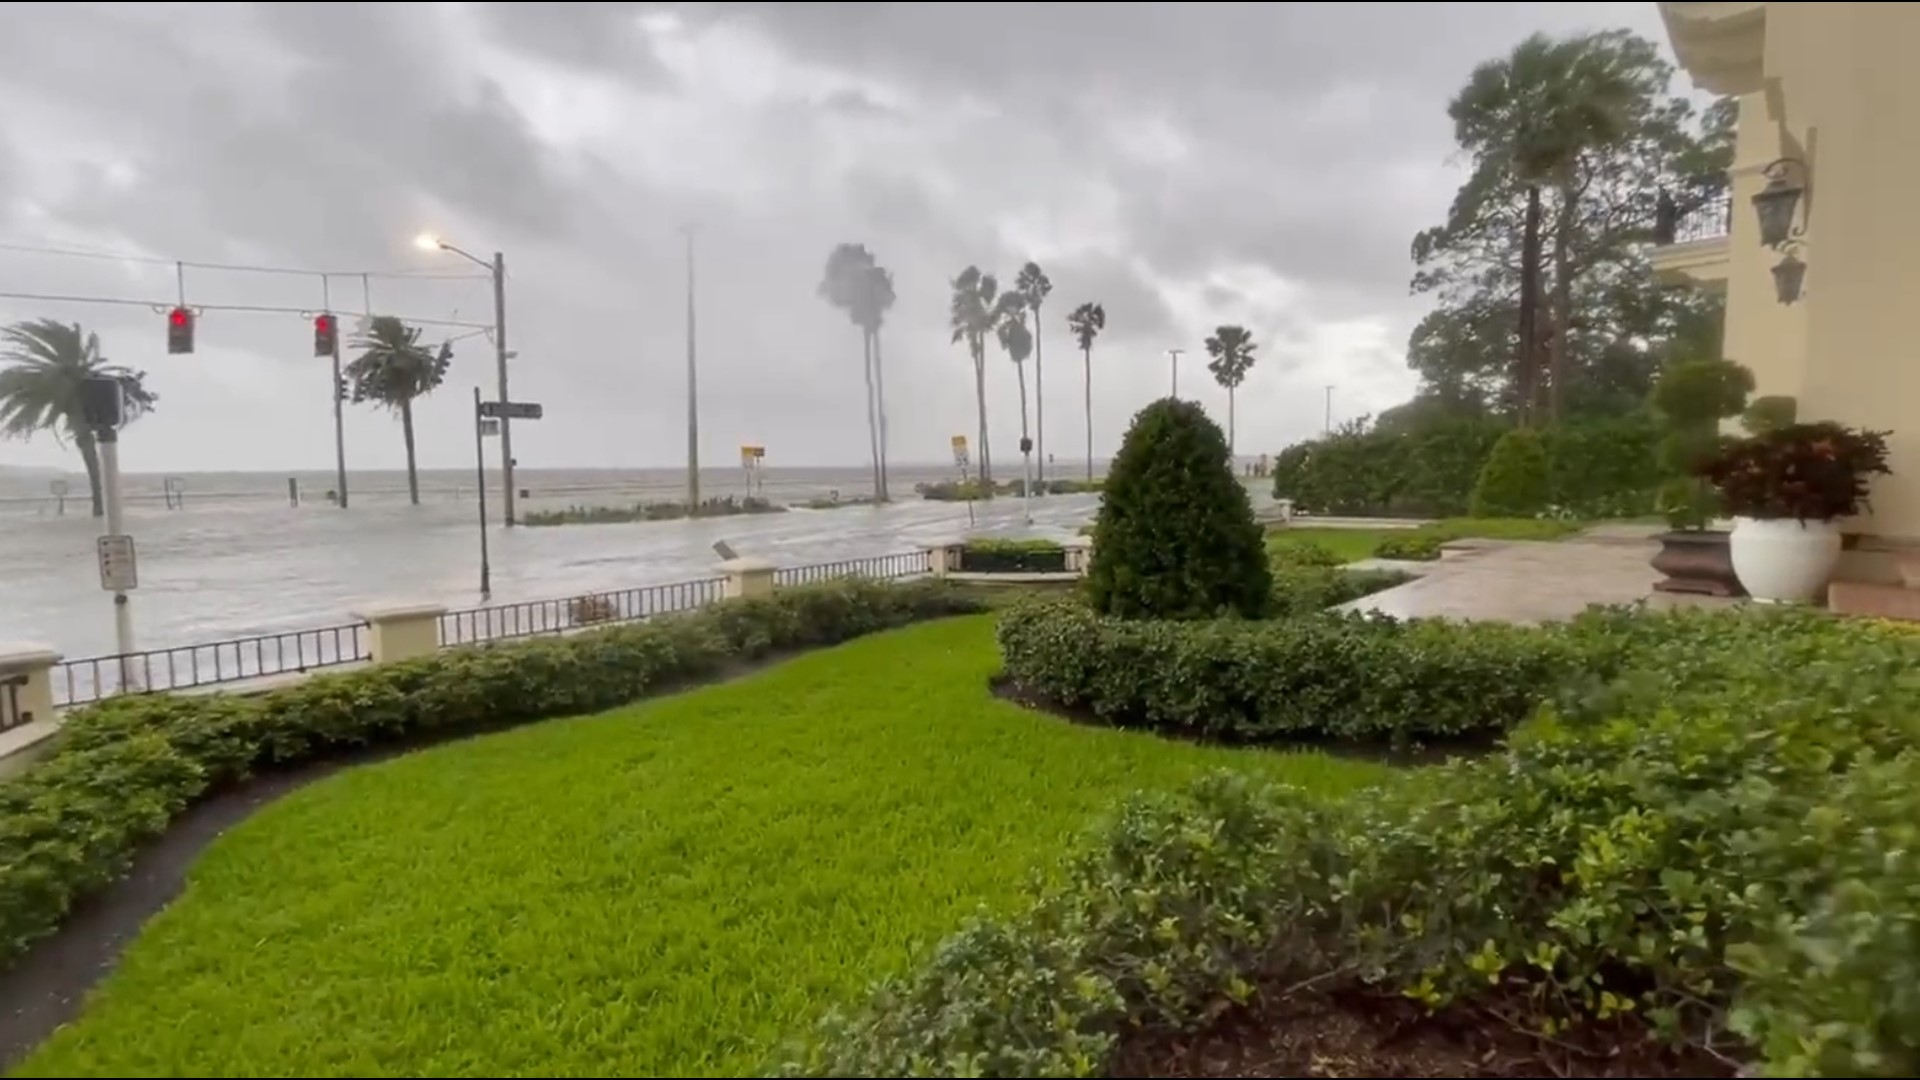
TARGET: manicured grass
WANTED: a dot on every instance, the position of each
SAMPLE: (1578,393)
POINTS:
(1355,544)
(668,889)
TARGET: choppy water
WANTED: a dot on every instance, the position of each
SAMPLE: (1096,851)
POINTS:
(238,560)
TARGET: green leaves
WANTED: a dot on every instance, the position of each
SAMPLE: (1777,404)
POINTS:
(1176,537)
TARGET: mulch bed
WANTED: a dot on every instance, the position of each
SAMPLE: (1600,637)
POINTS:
(1355,1033)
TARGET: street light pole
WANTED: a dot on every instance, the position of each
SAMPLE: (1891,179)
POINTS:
(480,473)
(1174,356)
(498,269)
(1328,428)
(693,393)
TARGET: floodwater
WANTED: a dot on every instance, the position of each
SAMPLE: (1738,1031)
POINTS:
(237,559)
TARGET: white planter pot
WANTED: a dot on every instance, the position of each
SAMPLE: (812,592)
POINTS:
(1784,561)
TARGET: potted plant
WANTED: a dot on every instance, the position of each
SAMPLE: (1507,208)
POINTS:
(1787,488)
(1692,398)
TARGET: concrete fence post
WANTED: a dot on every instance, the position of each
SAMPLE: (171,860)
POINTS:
(402,631)
(943,558)
(747,578)
(26,683)
(1079,554)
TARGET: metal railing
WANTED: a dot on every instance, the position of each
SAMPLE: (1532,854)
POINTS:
(883,567)
(1701,211)
(184,667)
(502,622)
(77,682)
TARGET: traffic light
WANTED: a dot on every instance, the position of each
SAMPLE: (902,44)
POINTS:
(326,330)
(180,330)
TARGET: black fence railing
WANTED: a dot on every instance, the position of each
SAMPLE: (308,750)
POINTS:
(501,622)
(1701,211)
(78,682)
(882,567)
(184,667)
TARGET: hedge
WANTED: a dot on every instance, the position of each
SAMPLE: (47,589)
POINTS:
(1339,676)
(120,771)
(1709,843)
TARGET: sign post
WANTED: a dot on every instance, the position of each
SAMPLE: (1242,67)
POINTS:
(480,423)
(511,410)
(753,458)
(103,407)
(960,461)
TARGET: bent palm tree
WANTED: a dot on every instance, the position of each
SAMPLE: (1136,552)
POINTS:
(1232,350)
(1033,286)
(1086,322)
(844,284)
(1017,340)
(392,369)
(48,361)
(873,301)
(973,314)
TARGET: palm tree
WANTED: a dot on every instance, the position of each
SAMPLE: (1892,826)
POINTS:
(1533,114)
(1232,350)
(874,300)
(392,370)
(974,313)
(1033,287)
(1017,340)
(1086,322)
(48,362)
(845,284)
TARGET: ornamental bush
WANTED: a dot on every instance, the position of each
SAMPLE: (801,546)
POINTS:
(1176,537)
(1516,481)
(1710,842)
(1316,676)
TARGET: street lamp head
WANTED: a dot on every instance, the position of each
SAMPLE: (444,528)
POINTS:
(426,241)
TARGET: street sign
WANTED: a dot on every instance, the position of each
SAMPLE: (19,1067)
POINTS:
(512,410)
(960,450)
(117,570)
(489,428)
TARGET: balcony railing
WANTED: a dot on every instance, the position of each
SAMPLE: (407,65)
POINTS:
(1693,212)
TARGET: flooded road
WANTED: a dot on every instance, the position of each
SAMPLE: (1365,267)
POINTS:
(225,569)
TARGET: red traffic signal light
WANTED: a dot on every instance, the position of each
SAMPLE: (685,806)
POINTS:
(326,334)
(180,330)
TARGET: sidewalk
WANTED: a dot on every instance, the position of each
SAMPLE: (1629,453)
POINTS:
(1529,581)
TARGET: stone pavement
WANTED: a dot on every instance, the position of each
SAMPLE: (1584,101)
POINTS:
(1526,581)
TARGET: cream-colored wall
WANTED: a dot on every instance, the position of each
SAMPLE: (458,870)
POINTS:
(1840,91)
(1850,69)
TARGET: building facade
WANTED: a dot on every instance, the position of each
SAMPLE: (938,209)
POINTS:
(1823,307)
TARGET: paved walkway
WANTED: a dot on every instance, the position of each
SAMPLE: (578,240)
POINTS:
(1524,581)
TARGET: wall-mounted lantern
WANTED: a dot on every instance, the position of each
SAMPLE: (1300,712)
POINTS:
(1775,204)
(1788,275)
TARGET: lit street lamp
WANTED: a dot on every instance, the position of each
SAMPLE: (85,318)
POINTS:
(498,269)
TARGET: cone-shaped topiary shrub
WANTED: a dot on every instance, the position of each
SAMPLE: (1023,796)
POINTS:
(1176,538)
(1517,479)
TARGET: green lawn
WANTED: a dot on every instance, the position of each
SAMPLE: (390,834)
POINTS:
(1355,544)
(669,889)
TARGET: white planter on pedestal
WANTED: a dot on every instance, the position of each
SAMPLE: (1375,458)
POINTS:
(1784,561)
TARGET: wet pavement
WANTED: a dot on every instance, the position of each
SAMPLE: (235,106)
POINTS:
(221,571)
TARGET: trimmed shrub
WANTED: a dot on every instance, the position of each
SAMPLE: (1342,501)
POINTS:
(1176,537)
(1712,844)
(1515,482)
(1286,553)
(123,769)
(1307,590)
(1355,676)
(1412,546)
(992,555)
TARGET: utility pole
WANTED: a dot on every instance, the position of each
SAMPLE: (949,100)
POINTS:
(339,395)
(103,409)
(1174,356)
(1328,428)
(693,392)
(500,358)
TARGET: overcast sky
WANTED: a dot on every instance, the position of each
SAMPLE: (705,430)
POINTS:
(1186,165)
